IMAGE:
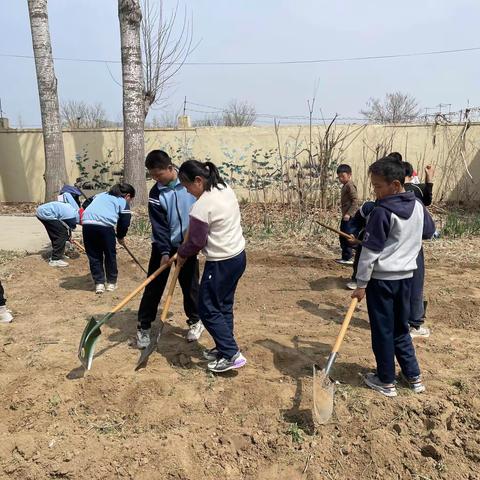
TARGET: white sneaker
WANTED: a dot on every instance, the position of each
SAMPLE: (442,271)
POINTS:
(143,338)
(195,331)
(5,315)
(58,263)
(421,331)
(110,287)
(99,288)
(341,261)
(352,285)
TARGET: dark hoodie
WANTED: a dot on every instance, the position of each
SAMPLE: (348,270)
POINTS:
(393,238)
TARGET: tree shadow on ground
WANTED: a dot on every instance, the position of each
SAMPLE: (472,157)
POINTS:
(328,283)
(297,362)
(78,282)
(331,312)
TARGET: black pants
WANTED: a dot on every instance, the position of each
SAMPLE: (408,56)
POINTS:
(217,292)
(188,279)
(58,234)
(100,244)
(388,303)
(417,310)
(346,226)
(2,296)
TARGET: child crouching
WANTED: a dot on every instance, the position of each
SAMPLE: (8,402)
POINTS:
(106,211)
(393,238)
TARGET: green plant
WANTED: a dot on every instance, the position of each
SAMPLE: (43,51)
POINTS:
(296,432)
(459,225)
(97,175)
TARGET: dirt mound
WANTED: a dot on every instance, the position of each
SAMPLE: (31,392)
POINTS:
(173,420)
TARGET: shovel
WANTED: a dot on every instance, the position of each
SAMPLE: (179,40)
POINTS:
(92,330)
(78,245)
(133,257)
(146,352)
(334,230)
(323,387)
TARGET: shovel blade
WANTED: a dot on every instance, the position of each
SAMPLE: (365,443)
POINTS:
(146,352)
(323,389)
(87,343)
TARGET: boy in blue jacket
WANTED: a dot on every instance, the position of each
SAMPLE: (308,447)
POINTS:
(169,206)
(59,219)
(392,241)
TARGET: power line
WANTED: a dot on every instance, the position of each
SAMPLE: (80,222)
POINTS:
(279,62)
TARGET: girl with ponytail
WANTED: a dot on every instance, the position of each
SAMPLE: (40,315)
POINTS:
(215,230)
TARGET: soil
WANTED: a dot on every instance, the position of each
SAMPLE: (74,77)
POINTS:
(172,420)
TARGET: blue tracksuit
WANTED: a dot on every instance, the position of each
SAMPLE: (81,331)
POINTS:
(169,209)
(392,242)
(99,220)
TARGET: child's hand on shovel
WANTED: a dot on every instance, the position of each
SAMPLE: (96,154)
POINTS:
(359,294)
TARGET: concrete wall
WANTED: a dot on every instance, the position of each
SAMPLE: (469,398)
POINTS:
(451,149)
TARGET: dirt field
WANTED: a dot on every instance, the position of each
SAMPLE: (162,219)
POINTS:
(172,420)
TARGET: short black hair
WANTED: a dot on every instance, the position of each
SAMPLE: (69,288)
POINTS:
(396,156)
(389,168)
(408,169)
(158,159)
(122,189)
(344,168)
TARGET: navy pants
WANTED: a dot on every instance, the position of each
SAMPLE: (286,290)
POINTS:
(217,292)
(417,308)
(2,296)
(58,234)
(388,303)
(346,226)
(100,244)
(188,279)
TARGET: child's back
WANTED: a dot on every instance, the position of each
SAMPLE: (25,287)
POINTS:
(105,209)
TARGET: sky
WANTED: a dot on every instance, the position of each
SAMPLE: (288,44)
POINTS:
(258,31)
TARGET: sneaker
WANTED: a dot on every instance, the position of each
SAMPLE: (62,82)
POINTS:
(420,331)
(387,389)
(110,287)
(415,384)
(5,315)
(58,263)
(99,288)
(195,331)
(352,285)
(341,261)
(224,364)
(143,338)
(210,355)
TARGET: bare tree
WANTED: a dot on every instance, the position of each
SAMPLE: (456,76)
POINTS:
(396,107)
(210,120)
(130,17)
(165,47)
(239,114)
(55,169)
(79,114)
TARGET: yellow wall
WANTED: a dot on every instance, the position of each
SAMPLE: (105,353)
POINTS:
(22,154)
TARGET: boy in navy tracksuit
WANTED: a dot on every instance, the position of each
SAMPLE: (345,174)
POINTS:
(59,219)
(99,219)
(424,192)
(169,206)
(393,238)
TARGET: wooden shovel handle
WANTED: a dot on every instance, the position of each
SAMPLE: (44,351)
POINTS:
(334,230)
(78,245)
(171,288)
(345,324)
(149,279)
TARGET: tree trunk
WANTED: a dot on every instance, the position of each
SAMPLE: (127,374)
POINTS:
(55,170)
(130,17)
